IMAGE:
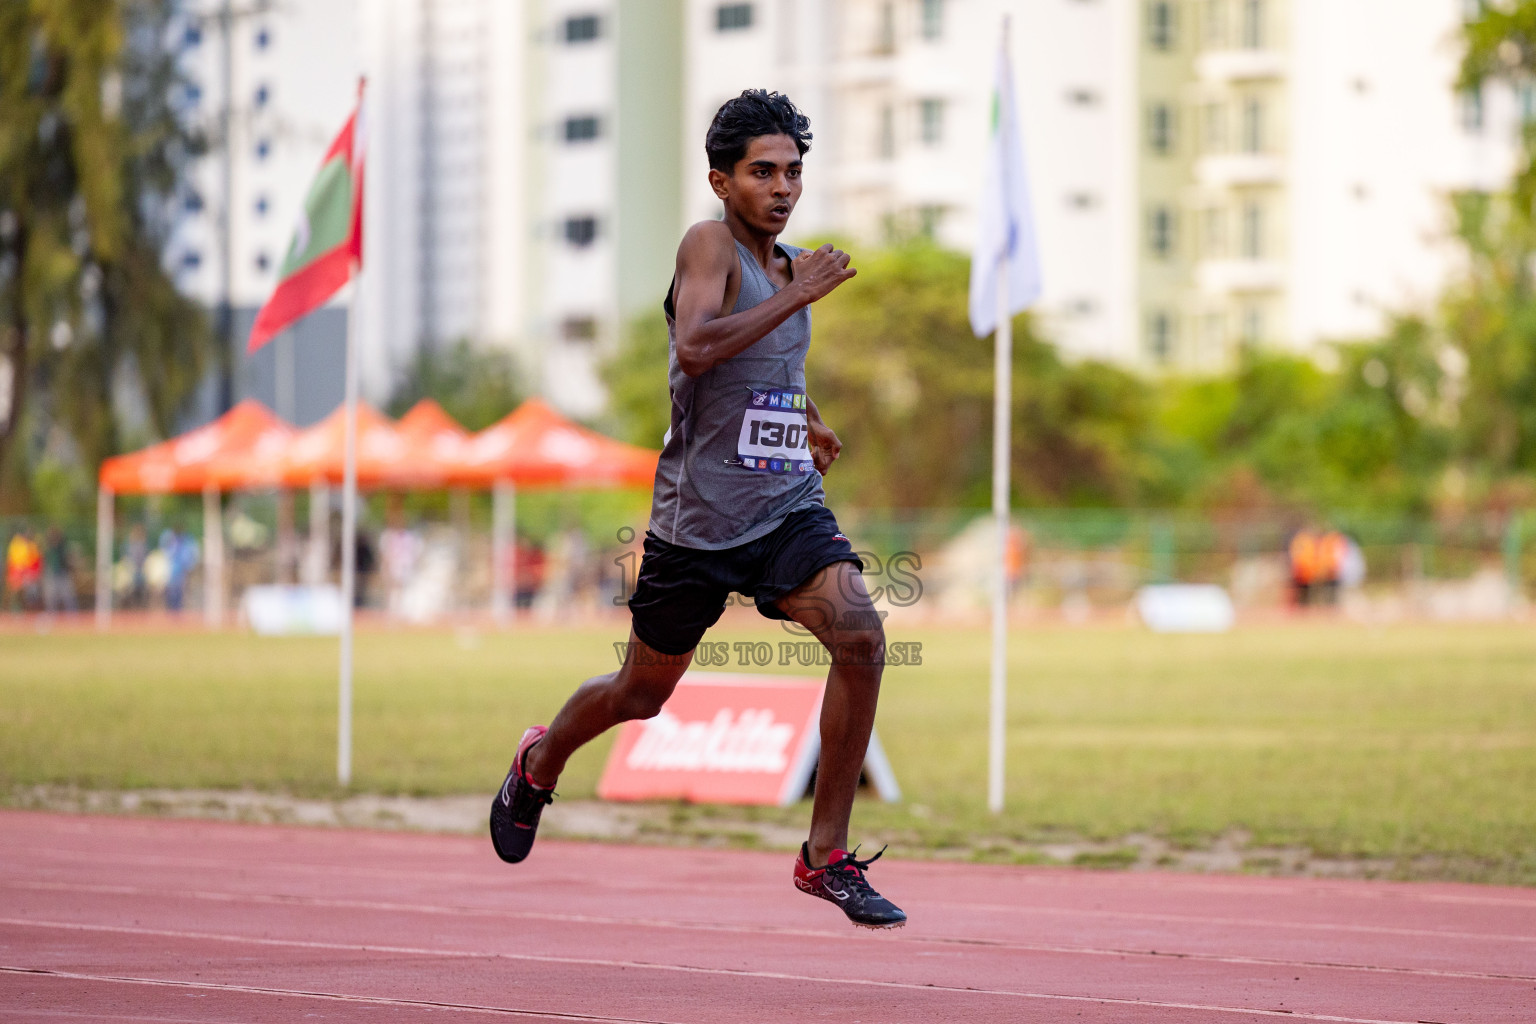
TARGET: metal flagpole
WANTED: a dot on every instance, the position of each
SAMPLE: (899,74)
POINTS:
(348,540)
(1002,403)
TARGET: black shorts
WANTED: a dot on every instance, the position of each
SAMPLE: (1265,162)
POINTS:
(681,591)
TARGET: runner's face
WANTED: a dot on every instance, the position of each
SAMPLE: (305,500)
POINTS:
(765,185)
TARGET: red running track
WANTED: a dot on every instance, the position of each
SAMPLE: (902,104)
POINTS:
(136,919)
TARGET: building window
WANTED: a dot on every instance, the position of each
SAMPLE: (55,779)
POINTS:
(1253,231)
(932,122)
(933,20)
(1160,26)
(733,17)
(191,259)
(194,93)
(192,202)
(885,141)
(585,28)
(193,36)
(1160,336)
(263,38)
(581,129)
(1082,200)
(1160,232)
(1253,24)
(579,328)
(262,263)
(580,231)
(1213,28)
(262,206)
(1082,97)
(263,149)
(1253,126)
(1160,128)
(1472,110)
(263,94)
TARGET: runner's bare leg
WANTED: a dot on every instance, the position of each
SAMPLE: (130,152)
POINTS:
(835,606)
(637,690)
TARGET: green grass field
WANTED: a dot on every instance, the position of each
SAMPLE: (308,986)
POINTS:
(1416,744)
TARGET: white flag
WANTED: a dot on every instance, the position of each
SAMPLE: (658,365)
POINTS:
(1004,224)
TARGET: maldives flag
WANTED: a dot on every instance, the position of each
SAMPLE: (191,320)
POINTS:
(329,238)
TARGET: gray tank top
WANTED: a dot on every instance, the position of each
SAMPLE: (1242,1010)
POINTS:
(736,460)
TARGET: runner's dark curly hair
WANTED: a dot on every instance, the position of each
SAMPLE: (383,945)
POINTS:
(741,119)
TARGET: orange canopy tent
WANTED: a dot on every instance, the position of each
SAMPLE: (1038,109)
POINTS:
(428,419)
(427,425)
(186,464)
(386,456)
(535,446)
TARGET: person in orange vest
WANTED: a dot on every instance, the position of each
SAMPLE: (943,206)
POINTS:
(1303,555)
(1332,549)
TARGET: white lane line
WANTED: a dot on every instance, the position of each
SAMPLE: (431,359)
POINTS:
(574,961)
(261,990)
(703,926)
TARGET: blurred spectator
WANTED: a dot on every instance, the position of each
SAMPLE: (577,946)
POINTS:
(181,554)
(366,564)
(401,549)
(138,553)
(528,573)
(58,582)
(1304,558)
(1352,568)
(23,570)
(1332,549)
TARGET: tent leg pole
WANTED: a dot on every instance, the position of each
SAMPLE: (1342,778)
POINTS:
(503,552)
(213,558)
(319,534)
(104,524)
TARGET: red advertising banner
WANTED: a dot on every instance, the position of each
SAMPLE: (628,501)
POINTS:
(728,739)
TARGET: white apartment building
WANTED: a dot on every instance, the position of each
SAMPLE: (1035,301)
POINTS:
(1297,160)
(1206,173)
(899,95)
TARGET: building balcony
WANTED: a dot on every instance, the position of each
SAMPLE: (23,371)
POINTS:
(1232,170)
(1219,67)
(1226,277)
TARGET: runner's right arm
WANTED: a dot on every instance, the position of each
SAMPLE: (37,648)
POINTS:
(706,335)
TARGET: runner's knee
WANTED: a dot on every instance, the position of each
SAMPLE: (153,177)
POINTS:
(641,698)
(861,643)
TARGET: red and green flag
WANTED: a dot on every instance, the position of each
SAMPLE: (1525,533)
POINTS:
(328,242)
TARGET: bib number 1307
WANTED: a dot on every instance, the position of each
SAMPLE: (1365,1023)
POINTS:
(774,435)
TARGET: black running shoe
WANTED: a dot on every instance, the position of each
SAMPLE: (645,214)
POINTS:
(515,810)
(842,882)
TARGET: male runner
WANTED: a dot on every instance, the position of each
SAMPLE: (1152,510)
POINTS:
(738,503)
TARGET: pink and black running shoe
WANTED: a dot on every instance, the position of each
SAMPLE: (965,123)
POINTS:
(843,882)
(515,810)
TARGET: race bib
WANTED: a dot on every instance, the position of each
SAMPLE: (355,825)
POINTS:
(775,437)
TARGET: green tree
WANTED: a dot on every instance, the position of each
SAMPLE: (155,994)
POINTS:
(93,155)
(475,385)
